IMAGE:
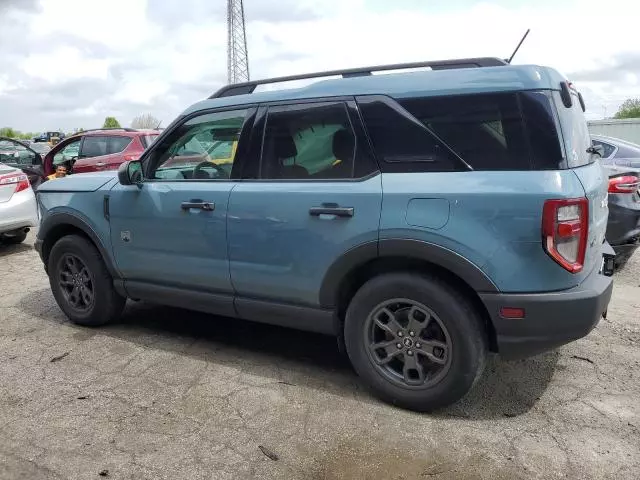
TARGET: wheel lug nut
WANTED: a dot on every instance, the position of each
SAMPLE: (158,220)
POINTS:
(418,345)
(399,334)
(409,352)
(399,345)
(412,334)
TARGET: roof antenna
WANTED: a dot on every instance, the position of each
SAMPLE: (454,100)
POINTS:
(518,47)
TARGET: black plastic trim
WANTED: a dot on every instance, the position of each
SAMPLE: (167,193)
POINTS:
(406,248)
(65,218)
(208,302)
(285,315)
(551,319)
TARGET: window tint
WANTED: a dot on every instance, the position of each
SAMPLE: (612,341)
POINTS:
(607,147)
(486,131)
(117,144)
(93,146)
(203,148)
(402,143)
(312,141)
(574,131)
(542,129)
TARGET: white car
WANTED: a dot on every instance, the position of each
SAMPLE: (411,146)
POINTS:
(18,208)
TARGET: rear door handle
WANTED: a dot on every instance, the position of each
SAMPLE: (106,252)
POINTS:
(207,206)
(331,210)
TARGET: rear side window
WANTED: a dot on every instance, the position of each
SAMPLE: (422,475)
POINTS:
(486,131)
(402,143)
(607,148)
(93,146)
(574,131)
(117,144)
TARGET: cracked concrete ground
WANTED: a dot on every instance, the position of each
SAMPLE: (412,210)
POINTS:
(172,394)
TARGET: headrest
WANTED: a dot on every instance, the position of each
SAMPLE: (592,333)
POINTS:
(343,143)
(285,147)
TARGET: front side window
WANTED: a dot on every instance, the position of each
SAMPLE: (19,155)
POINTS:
(307,142)
(15,153)
(67,153)
(203,148)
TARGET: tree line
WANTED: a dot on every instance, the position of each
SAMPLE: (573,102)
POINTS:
(141,121)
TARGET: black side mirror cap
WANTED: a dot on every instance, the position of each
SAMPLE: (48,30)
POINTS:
(596,150)
(130,173)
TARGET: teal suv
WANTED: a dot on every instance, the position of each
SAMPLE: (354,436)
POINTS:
(424,217)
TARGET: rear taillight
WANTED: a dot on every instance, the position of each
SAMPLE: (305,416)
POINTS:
(19,179)
(624,184)
(565,229)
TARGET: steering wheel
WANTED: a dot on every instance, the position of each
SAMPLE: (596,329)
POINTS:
(198,168)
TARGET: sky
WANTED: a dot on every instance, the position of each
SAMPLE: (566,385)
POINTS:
(70,63)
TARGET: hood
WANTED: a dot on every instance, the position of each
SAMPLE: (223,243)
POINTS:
(78,182)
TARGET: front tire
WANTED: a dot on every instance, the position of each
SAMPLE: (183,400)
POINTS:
(416,341)
(81,283)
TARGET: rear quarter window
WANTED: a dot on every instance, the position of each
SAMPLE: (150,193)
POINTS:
(485,130)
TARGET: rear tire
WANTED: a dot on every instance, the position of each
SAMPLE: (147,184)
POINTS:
(440,353)
(14,238)
(81,283)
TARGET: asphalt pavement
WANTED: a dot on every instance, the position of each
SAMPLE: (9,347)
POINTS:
(171,394)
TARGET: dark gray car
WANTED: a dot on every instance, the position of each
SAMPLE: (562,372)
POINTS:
(621,160)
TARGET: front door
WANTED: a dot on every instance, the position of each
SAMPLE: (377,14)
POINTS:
(171,230)
(313,196)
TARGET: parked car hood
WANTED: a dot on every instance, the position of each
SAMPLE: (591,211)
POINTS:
(79,182)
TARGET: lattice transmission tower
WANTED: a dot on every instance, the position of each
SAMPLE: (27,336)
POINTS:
(237,52)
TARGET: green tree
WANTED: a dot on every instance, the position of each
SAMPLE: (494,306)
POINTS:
(8,132)
(111,122)
(629,109)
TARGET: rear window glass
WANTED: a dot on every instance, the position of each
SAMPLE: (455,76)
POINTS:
(542,130)
(486,131)
(574,132)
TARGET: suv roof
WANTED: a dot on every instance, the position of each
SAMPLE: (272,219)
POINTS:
(459,77)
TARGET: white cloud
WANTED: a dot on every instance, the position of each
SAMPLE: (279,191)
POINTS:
(145,55)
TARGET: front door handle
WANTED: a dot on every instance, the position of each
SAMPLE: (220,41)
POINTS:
(331,210)
(198,204)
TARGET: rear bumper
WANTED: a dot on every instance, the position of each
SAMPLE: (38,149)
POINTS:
(19,212)
(551,319)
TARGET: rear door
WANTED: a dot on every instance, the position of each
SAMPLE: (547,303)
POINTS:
(309,192)
(588,169)
(100,152)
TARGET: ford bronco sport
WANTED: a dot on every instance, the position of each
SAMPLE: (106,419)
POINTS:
(425,218)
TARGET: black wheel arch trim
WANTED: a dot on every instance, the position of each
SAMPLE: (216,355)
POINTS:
(57,219)
(408,248)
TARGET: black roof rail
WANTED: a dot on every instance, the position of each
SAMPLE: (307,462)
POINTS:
(126,129)
(249,87)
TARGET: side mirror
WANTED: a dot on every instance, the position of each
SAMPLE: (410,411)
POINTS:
(37,160)
(596,150)
(130,173)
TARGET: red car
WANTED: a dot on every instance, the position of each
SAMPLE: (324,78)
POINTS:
(97,150)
